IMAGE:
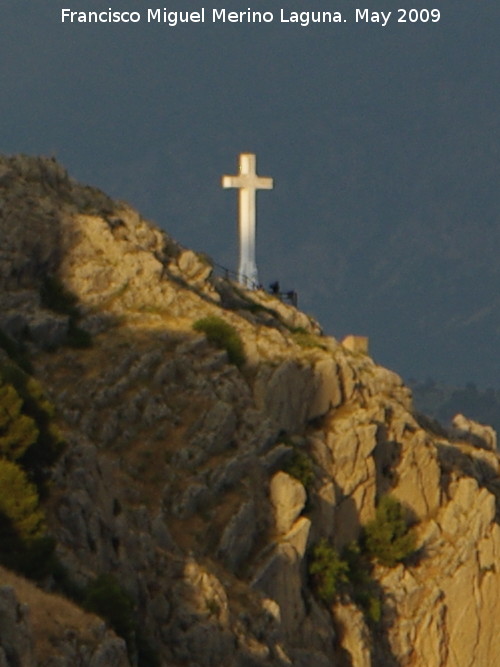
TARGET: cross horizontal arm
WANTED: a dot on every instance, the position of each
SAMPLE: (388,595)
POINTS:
(247,181)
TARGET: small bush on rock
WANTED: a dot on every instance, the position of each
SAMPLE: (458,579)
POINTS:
(105,597)
(365,590)
(300,466)
(223,335)
(327,571)
(307,340)
(387,538)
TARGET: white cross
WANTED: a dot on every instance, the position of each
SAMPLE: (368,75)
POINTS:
(248,183)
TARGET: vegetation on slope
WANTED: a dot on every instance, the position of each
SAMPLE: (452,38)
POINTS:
(221,334)
(328,571)
(387,540)
(29,445)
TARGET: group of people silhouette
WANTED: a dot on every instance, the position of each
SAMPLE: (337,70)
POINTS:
(290,296)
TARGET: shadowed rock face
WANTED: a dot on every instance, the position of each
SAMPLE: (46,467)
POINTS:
(37,628)
(202,486)
(15,630)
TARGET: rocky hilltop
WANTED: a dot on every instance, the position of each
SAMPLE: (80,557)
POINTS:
(225,467)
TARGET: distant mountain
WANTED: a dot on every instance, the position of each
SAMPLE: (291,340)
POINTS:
(423,282)
(443,402)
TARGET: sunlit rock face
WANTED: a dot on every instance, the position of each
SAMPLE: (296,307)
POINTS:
(203,486)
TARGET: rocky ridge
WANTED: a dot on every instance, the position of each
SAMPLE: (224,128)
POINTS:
(176,476)
(40,628)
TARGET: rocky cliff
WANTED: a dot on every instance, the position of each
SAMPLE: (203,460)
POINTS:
(204,485)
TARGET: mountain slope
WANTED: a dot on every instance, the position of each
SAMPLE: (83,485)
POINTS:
(204,487)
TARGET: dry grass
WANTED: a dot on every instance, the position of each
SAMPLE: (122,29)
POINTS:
(66,367)
(52,616)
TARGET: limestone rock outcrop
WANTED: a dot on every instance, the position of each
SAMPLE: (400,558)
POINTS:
(288,498)
(477,434)
(202,486)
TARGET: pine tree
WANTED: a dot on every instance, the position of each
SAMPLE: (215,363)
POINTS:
(17,431)
(19,508)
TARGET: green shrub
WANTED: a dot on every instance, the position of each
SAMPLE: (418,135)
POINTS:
(223,335)
(327,570)
(105,597)
(372,606)
(387,538)
(365,590)
(300,466)
(307,340)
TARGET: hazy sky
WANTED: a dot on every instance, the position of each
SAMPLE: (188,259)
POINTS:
(382,141)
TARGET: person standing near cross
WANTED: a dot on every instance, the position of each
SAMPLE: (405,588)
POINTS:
(248,183)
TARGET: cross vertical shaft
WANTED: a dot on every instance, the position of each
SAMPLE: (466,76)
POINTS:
(247,183)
